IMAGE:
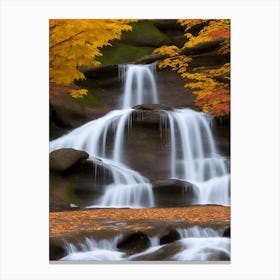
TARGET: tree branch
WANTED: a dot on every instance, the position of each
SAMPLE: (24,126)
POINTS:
(67,39)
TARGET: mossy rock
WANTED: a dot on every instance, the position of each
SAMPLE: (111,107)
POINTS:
(122,53)
(144,33)
(135,44)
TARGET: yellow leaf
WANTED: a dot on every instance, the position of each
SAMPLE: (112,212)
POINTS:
(78,93)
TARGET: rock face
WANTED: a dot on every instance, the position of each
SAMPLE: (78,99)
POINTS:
(173,193)
(149,107)
(63,159)
(149,114)
(221,130)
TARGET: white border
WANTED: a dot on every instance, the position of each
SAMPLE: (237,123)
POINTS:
(24,138)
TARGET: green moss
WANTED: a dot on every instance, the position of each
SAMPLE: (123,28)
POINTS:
(122,53)
(144,33)
(141,41)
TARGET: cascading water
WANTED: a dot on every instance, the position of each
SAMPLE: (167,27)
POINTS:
(140,86)
(197,231)
(194,157)
(130,188)
(90,249)
(195,243)
(202,244)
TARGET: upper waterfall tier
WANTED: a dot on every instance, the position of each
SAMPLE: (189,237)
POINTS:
(139,84)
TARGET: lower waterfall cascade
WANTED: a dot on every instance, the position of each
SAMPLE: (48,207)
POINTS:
(193,157)
(196,243)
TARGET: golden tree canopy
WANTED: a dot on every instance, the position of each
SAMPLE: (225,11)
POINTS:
(211,86)
(75,43)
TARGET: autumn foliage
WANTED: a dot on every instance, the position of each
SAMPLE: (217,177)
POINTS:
(211,85)
(63,223)
(76,43)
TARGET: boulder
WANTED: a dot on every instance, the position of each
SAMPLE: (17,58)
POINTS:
(81,183)
(170,237)
(56,249)
(63,159)
(173,192)
(227,232)
(216,255)
(134,243)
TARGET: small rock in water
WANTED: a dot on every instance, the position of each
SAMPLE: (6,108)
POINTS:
(226,232)
(134,243)
(172,236)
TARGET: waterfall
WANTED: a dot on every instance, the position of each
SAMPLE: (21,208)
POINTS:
(92,136)
(194,157)
(130,188)
(140,86)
